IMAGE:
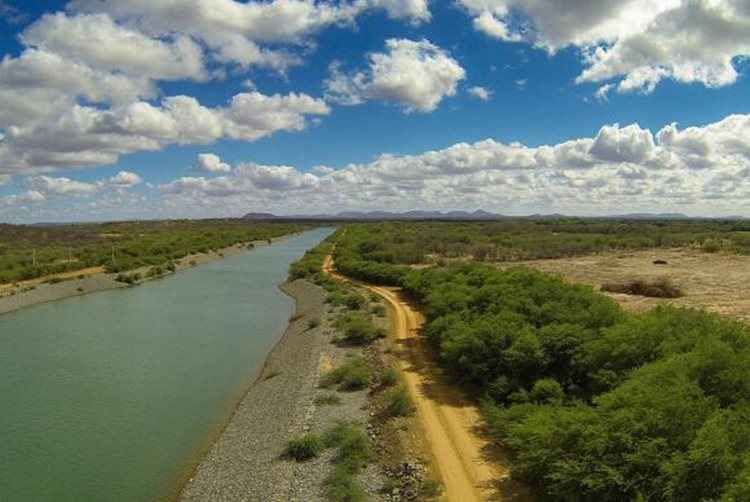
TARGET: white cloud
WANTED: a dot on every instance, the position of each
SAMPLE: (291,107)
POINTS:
(415,10)
(212,163)
(234,31)
(620,169)
(480,93)
(47,185)
(415,74)
(97,41)
(87,136)
(124,179)
(637,43)
(27,197)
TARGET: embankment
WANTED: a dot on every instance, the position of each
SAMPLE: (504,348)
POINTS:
(245,462)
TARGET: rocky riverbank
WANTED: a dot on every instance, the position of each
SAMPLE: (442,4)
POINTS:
(246,463)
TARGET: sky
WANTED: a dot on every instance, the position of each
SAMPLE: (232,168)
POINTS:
(136,109)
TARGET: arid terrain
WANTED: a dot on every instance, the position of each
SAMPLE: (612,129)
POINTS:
(717,282)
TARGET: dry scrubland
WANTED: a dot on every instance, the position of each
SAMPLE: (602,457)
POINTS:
(717,282)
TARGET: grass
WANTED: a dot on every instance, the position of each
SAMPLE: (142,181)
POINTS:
(357,329)
(354,453)
(327,399)
(304,448)
(659,288)
(389,377)
(353,375)
(398,402)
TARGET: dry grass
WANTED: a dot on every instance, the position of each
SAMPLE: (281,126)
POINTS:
(717,282)
(659,288)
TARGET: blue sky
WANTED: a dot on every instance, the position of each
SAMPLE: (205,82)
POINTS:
(576,118)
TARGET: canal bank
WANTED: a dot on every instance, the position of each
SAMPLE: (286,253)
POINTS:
(106,395)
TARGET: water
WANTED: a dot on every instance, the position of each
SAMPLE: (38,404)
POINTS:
(106,397)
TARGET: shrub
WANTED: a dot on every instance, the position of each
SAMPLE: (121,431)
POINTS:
(430,489)
(304,447)
(358,330)
(313,323)
(660,288)
(354,452)
(327,399)
(354,301)
(378,310)
(389,377)
(341,486)
(547,390)
(336,298)
(354,374)
(354,448)
(398,402)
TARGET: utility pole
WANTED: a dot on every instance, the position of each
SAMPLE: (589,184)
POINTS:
(33,258)
(114,261)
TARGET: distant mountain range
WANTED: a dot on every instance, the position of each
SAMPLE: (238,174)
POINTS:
(457,215)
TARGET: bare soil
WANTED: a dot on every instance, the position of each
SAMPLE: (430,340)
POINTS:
(717,282)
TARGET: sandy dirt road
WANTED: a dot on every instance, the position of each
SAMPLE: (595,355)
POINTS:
(468,465)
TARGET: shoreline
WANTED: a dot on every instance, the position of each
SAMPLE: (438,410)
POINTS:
(37,292)
(189,468)
(273,407)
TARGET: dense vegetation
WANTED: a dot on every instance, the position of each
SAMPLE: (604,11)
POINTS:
(27,252)
(381,252)
(594,403)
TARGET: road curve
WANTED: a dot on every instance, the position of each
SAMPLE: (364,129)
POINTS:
(463,459)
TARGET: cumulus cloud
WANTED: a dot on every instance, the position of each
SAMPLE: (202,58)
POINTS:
(417,11)
(417,75)
(97,41)
(212,163)
(47,186)
(88,136)
(637,43)
(124,179)
(619,169)
(235,31)
(480,93)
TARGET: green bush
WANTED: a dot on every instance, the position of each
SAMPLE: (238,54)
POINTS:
(354,301)
(305,447)
(389,377)
(593,403)
(398,402)
(354,374)
(356,329)
(354,453)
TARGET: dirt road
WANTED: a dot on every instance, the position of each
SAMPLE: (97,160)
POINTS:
(469,468)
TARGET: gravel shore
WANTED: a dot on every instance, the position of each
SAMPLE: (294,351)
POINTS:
(246,463)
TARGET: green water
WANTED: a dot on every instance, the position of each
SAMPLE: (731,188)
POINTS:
(106,397)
